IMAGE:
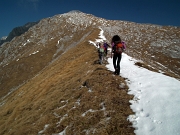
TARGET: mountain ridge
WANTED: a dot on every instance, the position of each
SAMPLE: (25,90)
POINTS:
(41,70)
(17,31)
(69,96)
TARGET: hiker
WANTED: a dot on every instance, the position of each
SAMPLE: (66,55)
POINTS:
(116,53)
(101,51)
(105,47)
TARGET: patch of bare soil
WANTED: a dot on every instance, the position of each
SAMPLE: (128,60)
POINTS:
(144,65)
(140,64)
(73,95)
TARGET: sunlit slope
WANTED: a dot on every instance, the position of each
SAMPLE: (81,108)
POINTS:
(72,95)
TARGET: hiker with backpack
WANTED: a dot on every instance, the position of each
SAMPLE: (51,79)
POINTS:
(106,45)
(116,53)
(101,52)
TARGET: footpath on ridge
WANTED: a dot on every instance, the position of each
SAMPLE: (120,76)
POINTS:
(74,94)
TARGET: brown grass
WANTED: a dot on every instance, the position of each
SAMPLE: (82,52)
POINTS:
(73,94)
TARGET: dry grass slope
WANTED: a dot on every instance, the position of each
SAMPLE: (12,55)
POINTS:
(73,94)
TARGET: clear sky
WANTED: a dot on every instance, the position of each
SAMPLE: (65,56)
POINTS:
(15,13)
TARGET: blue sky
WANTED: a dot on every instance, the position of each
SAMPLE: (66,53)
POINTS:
(15,13)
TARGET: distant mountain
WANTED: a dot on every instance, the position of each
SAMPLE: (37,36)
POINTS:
(50,82)
(17,32)
(2,40)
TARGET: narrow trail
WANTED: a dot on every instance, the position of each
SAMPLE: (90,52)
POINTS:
(74,94)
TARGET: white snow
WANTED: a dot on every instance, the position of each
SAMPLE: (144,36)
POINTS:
(33,53)
(45,127)
(28,41)
(90,110)
(101,38)
(156,98)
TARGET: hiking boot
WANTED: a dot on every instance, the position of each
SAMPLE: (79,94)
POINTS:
(116,73)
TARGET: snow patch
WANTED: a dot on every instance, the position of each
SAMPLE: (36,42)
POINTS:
(33,53)
(156,99)
(45,127)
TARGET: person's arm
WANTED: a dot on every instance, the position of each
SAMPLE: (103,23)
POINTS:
(124,47)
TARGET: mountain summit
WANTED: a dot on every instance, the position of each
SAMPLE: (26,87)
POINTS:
(50,80)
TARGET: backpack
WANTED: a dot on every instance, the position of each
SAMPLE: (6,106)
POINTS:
(101,49)
(118,48)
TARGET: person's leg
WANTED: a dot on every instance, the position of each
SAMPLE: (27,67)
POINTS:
(114,62)
(101,58)
(118,64)
(106,51)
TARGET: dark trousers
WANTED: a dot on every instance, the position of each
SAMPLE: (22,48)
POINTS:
(116,62)
(105,51)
